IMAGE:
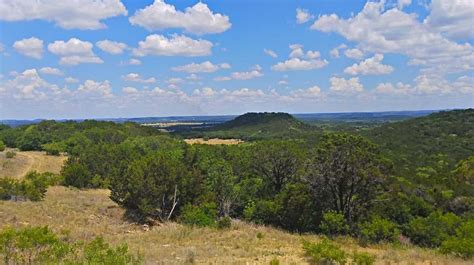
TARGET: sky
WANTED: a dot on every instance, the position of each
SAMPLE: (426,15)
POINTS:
(136,58)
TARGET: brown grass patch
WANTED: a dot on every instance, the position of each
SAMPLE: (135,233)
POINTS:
(213,141)
(91,213)
(24,162)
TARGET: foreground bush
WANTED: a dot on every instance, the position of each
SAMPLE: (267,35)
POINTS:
(431,231)
(378,230)
(461,244)
(202,216)
(40,245)
(334,224)
(2,146)
(33,186)
(324,252)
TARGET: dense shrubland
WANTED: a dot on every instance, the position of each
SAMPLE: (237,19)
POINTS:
(329,183)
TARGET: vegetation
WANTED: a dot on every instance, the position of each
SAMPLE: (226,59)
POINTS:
(40,245)
(334,183)
(32,187)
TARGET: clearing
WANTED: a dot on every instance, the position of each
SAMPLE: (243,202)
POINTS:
(23,162)
(213,141)
(90,213)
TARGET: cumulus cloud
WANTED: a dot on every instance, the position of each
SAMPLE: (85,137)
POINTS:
(70,80)
(78,14)
(354,53)
(402,3)
(453,19)
(390,89)
(255,71)
(27,85)
(32,47)
(204,67)
(177,45)
(370,66)
(302,16)
(345,86)
(335,52)
(311,92)
(198,19)
(394,31)
(300,60)
(50,71)
(111,47)
(74,52)
(93,89)
(134,77)
(129,90)
(270,53)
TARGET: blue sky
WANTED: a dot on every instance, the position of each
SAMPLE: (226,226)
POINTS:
(124,58)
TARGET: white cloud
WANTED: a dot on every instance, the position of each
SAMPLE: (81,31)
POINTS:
(296,64)
(177,45)
(302,16)
(70,80)
(354,53)
(133,77)
(32,47)
(335,52)
(50,71)
(74,52)
(96,88)
(78,14)
(370,66)
(453,18)
(390,89)
(129,90)
(311,92)
(255,72)
(132,61)
(346,86)
(299,60)
(206,92)
(111,47)
(198,19)
(204,67)
(393,31)
(193,77)
(270,53)
(27,85)
(402,3)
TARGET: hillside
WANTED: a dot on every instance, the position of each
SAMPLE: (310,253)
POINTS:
(263,125)
(445,137)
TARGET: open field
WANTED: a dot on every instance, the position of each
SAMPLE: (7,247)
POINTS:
(213,141)
(24,162)
(91,213)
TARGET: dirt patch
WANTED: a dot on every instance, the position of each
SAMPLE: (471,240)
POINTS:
(213,141)
(24,162)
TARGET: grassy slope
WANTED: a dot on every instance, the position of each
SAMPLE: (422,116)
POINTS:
(91,213)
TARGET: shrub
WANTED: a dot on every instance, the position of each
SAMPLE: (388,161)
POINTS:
(204,215)
(40,245)
(324,252)
(266,212)
(53,149)
(431,231)
(462,244)
(2,146)
(377,230)
(10,154)
(275,261)
(260,235)
(363,258)
(334,224)
(224,223)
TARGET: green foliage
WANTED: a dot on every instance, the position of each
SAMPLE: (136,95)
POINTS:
(224,223)
(10,154)
(462,243)
(204,215)
(431,231)
(274,261)
(98,251)
(53,149)
(324,252)
(334,223)
(378,230)
(2,146)
(40,245)
(33,186)
(363,258)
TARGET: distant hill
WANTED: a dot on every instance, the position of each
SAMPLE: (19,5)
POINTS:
(258,126)
(442,137)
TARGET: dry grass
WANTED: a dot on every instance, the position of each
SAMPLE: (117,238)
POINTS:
(213,141)
(90,213)
(24,162)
